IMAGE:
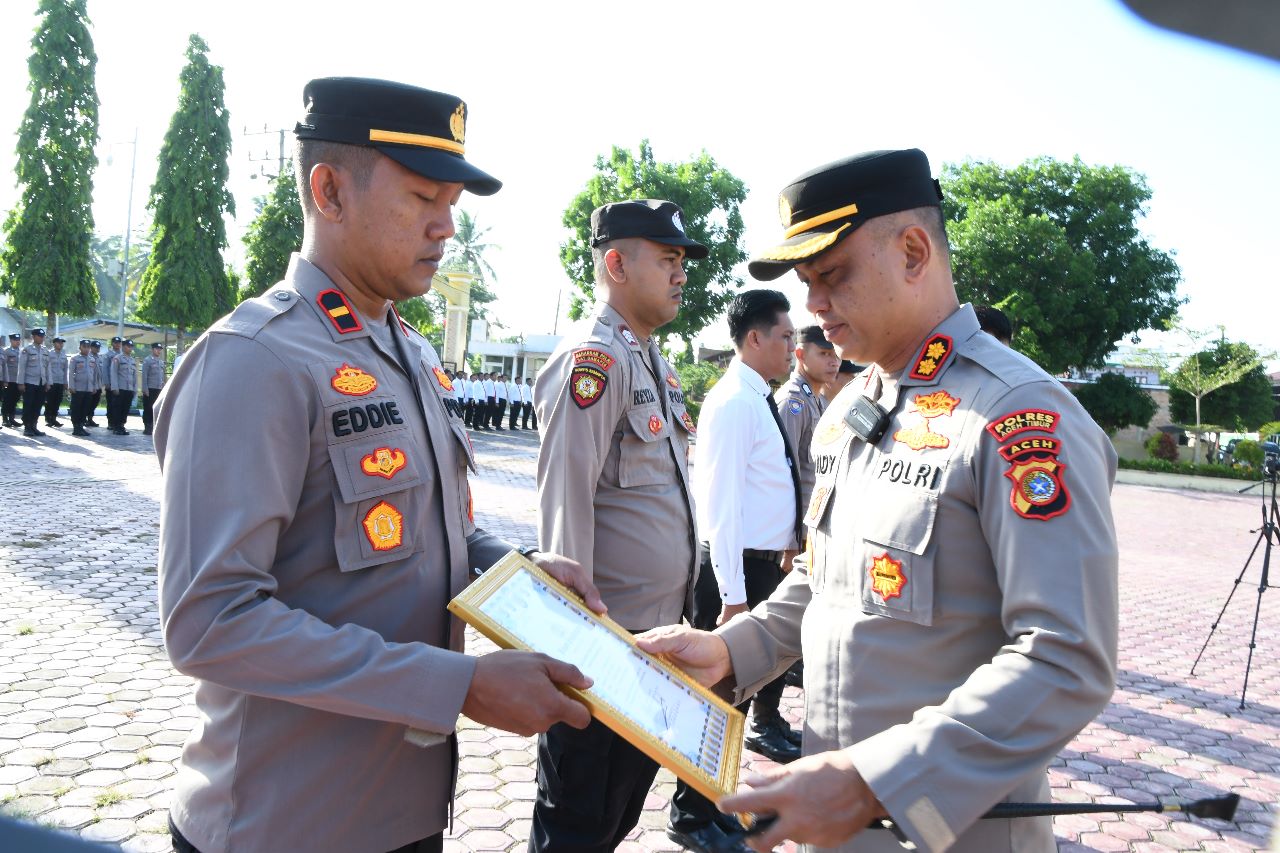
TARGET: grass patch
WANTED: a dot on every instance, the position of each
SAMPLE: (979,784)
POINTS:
(141,759)
(24,630)
(108,797)
(43,760)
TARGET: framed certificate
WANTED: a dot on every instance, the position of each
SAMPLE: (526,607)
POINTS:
(656,707)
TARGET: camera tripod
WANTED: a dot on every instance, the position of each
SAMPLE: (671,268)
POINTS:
(1270,530)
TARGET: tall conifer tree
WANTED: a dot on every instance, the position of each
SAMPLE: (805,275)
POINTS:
(46,262)
(186,283)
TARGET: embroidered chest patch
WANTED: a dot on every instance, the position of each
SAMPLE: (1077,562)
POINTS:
(688,423)
(795,407)
(384,527)
(1014,423)
(353,381)
(887,579)
(587,383)
(593,356)
(1038,489)
(930,406)
(655,424)
(383,462)
(443,378)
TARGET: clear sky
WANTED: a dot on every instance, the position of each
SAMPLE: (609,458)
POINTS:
(770,90)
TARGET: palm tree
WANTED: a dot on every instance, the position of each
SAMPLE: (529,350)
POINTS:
(466,252)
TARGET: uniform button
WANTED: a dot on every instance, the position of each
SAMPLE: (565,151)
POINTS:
(282,295)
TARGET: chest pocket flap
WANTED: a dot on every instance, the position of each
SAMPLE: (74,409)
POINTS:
(644,457)
(897,571)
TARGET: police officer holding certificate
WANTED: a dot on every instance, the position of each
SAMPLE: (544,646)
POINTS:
(310,608)
(957,609)
(613,482)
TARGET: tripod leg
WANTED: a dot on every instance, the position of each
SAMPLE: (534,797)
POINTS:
(1236,585)
(1268,529)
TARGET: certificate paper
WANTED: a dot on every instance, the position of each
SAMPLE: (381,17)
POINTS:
(656,707)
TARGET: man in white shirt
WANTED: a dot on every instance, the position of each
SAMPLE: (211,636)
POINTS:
(526,396)
(515,402)
(490,401)
(746,491)
(500,391)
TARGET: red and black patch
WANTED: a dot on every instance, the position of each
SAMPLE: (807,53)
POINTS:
(1038,489)
(1032,443)
(593,356)
(1007,426)
(339,311)
(933,355)
(587,383)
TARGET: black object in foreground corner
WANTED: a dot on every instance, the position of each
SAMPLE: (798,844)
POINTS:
(1217,808)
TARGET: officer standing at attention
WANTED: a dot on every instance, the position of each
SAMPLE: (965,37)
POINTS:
(82,377)
(612,481)
(152,382)
(123,385)
(9,371)
(515,401)
(57,371)
(95,350)
(958,616)
(800,404)
(490,400)
(459,390)
(33,378)
(311,608)
(500,390)
(526,398)
(104,368)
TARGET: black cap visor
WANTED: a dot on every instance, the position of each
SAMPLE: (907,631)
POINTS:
(442,166)
(692,248)
(802,247)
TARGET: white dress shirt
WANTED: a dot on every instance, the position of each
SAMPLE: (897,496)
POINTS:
(526,393)
(741,481)
(488,387)
(500,390)
(475,389)
(459,389)
(513,392)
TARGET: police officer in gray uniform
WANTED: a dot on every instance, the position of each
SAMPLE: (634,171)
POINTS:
(957,610)
(311,608)
(104,370)
(613,480)
(95,351)
(9,372)
(152,382)
(33,378)
(82,377)
(123,383)
(57,371)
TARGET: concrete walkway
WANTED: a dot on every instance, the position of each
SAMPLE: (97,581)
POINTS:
(92,717)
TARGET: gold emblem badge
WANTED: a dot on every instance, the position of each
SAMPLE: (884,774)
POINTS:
(383,462)
(655,424)
(458,123)
(688,423)
(929,406)
(353,381)
(443,378)
(672,381)
(784,211)
(887,579)
(384,526)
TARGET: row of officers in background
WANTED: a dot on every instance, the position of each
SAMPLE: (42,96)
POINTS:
(487,398)
(42,376)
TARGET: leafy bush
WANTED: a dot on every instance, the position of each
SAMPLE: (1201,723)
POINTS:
(1115,402)
(695,381)
(1248,452)
(1162,446)
(1166,467)
(1268,429)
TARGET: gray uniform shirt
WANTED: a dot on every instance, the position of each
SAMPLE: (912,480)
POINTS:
(82,373)
(799,408)
(152,373)
(123,373)
(104,366)
(316,520)
(959,616)
(9,363)
(57,369)
(613,478)
(33,365)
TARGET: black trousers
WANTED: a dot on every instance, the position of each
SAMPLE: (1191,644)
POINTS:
(499,410)
(148,402)
(80,407)
(468,410)
(516,408)
(431,844)
(119,405)
(9,401)
(530,413)
(52,402)
(32,399)
(689,809)
(592,786)
(481,418)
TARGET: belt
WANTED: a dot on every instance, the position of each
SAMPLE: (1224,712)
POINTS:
(771,556)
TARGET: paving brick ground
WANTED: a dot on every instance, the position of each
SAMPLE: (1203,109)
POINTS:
(92,717)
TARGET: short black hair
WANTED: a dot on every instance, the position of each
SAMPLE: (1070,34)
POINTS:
(994,322)
(358,159)
(755,309)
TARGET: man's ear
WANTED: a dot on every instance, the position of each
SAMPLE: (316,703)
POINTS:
(328,185)
(613,265)
(917,250)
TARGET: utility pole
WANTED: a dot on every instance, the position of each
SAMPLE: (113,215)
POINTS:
(266,155)
(128,231)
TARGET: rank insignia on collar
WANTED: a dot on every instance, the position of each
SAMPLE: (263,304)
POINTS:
(587,383)
(443,378)
(628,336)
(1038,490)
(672,381)
(688,423)
(804,386)
(353,381)
(1007,426)
(655,424)
(929,406)
(383,462)
(384,527)
(335,305)
(593,356)
(887,579)
(795,407)
(933,355)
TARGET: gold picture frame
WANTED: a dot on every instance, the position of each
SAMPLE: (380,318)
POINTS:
(519,606)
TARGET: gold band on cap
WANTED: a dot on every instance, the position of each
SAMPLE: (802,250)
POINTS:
(820,219)
(809,247)
(415,139)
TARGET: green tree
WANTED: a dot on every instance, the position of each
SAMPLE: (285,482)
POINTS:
(274,234)
(1200,374)
(1115,402)
(1056,246)
(466,253)
(1240,404)
(106,255)
(710,197)
(696,379)
(185,283)
(45,264)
